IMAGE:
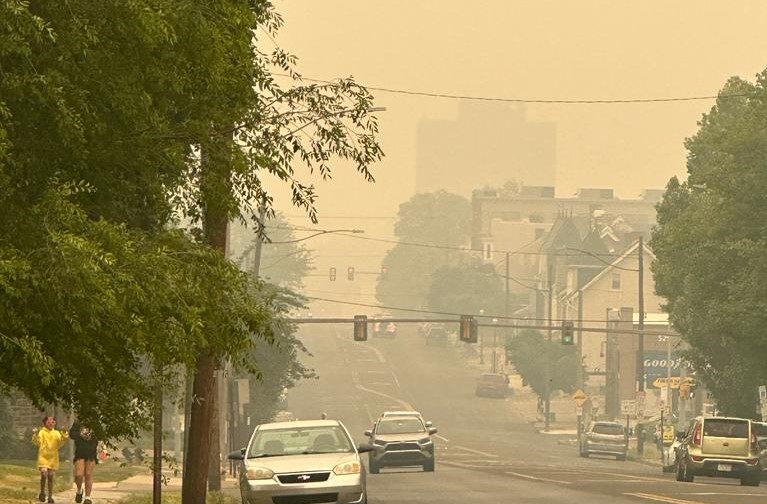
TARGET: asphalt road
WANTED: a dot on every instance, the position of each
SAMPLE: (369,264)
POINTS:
(487,450)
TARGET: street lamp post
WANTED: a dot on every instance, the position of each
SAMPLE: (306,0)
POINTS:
(481,341)
(495,346)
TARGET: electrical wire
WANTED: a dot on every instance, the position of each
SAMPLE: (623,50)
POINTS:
(433,312)
(531,100)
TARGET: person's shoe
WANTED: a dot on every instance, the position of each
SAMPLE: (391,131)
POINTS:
(50,500)
(87,501)
(41,497)
(79,497)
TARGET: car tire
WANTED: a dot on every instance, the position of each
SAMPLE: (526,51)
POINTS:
(683,473)
(751,480)
(428,466)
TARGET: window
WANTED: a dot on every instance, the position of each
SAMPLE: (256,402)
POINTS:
(616,285)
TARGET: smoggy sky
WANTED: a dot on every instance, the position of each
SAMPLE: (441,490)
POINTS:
(539,49)
(535,49)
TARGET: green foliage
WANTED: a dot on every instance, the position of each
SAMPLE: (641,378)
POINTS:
(529,352)
(711,246)
(467,288)
(440,219)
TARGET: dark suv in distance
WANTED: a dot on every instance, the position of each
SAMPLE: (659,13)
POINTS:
(724,447)
(401,441)
(605,438)
(492,385)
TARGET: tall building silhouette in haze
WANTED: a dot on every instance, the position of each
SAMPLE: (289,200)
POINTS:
(487,144)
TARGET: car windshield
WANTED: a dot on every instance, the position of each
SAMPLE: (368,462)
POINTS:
(609,429)
(725,428)
(493,378)
(303,440)
(399,426)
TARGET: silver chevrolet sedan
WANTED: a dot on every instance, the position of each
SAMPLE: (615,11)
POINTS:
(305,461)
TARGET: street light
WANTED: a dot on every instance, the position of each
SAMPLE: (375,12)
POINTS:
(481,341)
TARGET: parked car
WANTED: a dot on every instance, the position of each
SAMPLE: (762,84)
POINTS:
(724,447)
(384,328)
(401,441)
(302,461)
(492,385)
(605,438)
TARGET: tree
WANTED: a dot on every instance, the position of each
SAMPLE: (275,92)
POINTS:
(529,352)
(711,246)
(467,288)
(284,259)
(438,221)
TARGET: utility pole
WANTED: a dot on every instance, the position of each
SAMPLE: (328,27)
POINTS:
(579,369)
(547,389)
(640,346)
(507,308)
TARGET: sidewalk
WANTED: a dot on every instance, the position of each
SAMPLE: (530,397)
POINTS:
(113,491)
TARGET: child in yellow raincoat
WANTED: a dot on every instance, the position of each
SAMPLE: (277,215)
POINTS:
(49,441)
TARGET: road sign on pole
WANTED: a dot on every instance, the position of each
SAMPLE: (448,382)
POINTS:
(628,407)
(580,397)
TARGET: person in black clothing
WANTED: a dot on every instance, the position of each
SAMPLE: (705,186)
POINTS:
(86,447)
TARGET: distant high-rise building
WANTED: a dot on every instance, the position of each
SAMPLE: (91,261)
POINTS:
(488,144)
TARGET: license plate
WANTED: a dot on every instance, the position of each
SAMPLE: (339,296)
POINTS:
(724,467)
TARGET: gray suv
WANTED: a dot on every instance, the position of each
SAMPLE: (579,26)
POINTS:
(401,441)
(605,438)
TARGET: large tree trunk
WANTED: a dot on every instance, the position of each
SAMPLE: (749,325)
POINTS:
(195,480)
(215,186)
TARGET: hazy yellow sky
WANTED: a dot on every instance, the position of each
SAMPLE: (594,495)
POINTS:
(550,49)
(537,49)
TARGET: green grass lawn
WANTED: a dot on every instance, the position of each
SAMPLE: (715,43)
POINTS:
(20,480)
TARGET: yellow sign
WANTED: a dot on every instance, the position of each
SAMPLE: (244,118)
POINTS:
(669,434)
(661,382)
(580,397)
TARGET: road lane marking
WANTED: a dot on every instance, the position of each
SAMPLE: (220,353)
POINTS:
(535,478)
(403,404)
(475,451)
(442,438)
(662,498)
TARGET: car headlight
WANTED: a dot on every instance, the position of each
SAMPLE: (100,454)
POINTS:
(259,473)
(347,468)
(424,441)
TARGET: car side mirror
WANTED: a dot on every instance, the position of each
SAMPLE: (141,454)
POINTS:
(681,435)
(364,448)
(428,424)
(369,433)
(237,455)
(432,431)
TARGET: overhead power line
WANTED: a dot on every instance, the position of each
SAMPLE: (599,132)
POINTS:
(534,100)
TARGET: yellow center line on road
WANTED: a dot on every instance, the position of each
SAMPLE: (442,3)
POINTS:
(662,498)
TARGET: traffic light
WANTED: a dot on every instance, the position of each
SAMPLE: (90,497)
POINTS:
(350,273)
(568,333)
(384,273)
(332,274)
(360,328)
(468,329)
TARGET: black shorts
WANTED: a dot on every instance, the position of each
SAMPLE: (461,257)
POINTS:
(93,459)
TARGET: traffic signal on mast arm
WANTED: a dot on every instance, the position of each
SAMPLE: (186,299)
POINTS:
(350,273)
(568,333)
(360,328)
(332,274)
(468,329)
